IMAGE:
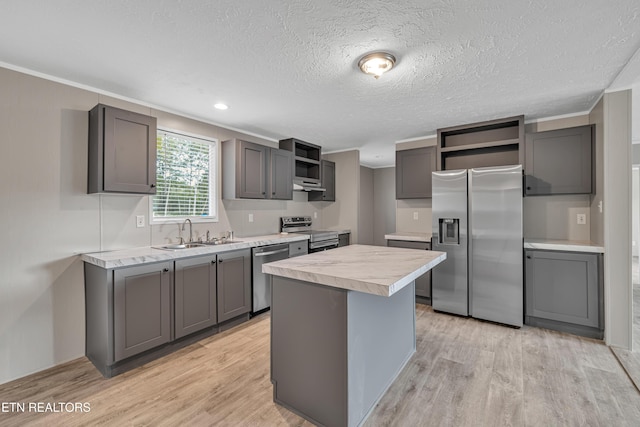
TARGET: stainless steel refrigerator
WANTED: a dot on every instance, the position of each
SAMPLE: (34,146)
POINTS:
(477,221)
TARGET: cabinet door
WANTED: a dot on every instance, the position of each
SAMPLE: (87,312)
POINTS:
(195,294)
(142,311)
(252,170)
(129,152)
(423,283)
(281,167)
(562,286)
(328,178)
(234,284)
(344,239)
(413,172)
(559,161)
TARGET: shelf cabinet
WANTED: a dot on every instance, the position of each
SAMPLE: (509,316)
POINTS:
(195,295)
(491,143)
(306,159)
(413,172)
(563,291)
(255,171)
(328,178)
(234,284)
(122,151)
(423,283)
(559,161)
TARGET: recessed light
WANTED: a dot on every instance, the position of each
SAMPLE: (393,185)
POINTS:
(221,106)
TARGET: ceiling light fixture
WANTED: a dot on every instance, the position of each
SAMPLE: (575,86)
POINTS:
(221,106)
(377,63)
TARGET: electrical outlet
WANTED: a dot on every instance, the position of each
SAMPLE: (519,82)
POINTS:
(415,216)
(315,215)
(582,219)
(250,217)
(139,221)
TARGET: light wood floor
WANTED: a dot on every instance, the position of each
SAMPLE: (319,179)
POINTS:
(465,373)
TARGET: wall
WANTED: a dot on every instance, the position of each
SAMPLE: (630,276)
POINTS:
(596,117)
(343,213)
(617,218)
(551,217)
(365,207)
(384,204)
(49,217)
(408,209)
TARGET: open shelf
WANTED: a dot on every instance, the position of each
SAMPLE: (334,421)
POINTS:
(491,143)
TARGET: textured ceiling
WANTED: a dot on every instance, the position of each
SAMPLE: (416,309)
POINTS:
(289,68)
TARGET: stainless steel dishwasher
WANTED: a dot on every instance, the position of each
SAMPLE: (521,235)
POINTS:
(262,282)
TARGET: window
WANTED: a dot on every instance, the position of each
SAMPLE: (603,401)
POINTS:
(186,178)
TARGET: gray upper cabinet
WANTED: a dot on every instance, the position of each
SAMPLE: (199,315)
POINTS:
(413,172)
(122,151)
(195,294)
(563,291)
(328,178)
(142,308)
(281,174)
(559,161)
(255,171)
(492,143)
(234,284)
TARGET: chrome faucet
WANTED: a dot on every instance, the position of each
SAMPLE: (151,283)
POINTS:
(190,230)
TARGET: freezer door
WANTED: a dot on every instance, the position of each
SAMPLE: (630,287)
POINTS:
(495,248)
(449,228)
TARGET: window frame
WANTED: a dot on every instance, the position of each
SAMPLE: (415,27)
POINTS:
(213,182)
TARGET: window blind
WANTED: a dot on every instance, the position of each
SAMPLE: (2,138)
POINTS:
(184,171)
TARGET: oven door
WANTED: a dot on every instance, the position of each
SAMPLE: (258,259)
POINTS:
(323,245)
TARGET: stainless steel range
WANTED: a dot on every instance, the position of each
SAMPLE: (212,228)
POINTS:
(319,240)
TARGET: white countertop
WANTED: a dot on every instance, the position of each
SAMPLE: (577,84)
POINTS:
(149,254)
(563,245)
(377,270)
(409,236)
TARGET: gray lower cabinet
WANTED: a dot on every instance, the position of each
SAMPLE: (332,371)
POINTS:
(413,172)
(142,308)
(559,161)
(234,284)
(195,294)
(563,291)
(423,283)
(344,239)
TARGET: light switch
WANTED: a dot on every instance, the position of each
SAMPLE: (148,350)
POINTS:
(415,216)
(139,221)
(250,217)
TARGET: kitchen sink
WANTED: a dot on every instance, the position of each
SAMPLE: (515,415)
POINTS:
(219,242)
(179,246)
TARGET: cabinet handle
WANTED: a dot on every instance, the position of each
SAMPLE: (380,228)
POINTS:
(528,256)
(165,270)
(273,193)
(528,188)
(153,185)
(213,262)
(220,260)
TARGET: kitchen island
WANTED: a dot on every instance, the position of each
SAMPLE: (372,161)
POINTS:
(342,328)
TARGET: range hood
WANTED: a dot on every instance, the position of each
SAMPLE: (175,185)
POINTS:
(299,185)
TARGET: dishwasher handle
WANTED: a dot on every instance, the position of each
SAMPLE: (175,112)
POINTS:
(279,251)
